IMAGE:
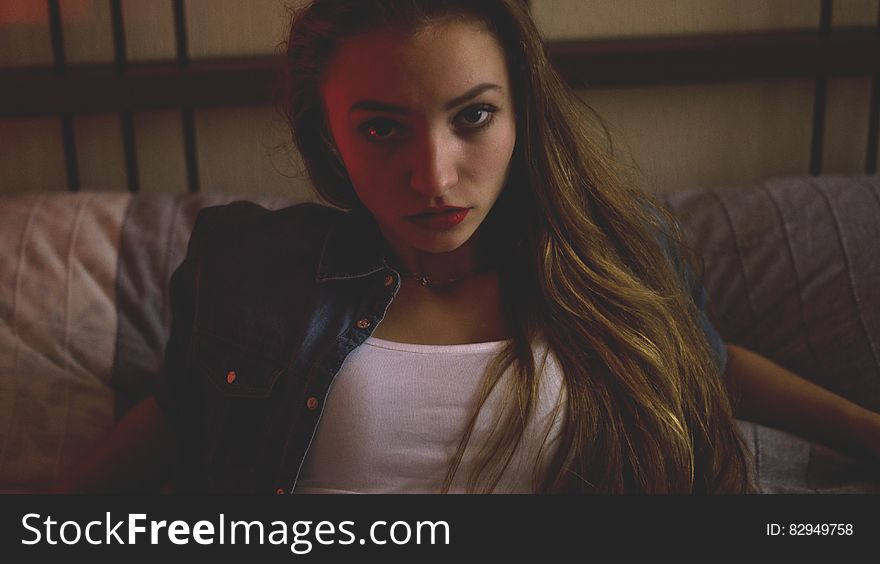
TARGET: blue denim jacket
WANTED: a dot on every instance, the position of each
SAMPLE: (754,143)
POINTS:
(266,307)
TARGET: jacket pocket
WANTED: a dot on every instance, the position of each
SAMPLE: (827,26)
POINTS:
(233,370)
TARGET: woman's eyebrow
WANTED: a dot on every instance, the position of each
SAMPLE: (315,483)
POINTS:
(385,107)
(472,93)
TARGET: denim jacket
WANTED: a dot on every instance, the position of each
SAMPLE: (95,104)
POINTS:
(266,307)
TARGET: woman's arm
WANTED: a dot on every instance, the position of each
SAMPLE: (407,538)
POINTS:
(768,394)
(136,456)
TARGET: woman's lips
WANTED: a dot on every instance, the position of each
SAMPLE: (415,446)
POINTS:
(445,219)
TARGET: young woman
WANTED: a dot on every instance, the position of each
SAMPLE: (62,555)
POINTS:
(496,309)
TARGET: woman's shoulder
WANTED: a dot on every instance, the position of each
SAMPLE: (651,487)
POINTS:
(247,227)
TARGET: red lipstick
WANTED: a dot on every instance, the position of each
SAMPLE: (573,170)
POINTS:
(445,217)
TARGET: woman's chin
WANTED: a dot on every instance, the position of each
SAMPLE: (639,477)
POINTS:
(438,247)
(430,241)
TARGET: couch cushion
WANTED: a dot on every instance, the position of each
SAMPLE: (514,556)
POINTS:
(83,318)
(57,330)
(792,269)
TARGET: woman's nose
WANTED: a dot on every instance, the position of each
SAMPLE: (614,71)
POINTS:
(434,167)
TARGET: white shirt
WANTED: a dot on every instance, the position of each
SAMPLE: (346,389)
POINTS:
(396,413)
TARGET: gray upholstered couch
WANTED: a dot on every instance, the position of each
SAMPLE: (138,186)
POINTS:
(792,269)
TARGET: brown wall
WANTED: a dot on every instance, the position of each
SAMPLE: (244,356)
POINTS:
(675,135)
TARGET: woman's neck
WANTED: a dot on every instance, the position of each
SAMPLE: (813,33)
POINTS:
(451,266)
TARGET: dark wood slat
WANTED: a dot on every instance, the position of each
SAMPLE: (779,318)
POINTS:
(189,146)
(873,126)
(129,146)
(57,35)
(187,112)
(253,81)
(712,58)
(825,19)
(126,118)
(180,33)
(59,71)
(873,118)
(119,51)
(145,86)
(820,98)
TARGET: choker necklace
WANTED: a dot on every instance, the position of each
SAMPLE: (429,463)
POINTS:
(425,280)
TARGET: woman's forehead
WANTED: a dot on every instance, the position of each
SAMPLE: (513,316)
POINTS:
(439,62)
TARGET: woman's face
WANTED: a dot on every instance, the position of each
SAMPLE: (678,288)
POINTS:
(423,123)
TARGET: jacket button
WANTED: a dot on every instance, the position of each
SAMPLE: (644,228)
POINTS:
(363,323)
(389,280)
(280,491)
(312,402)
(230,377)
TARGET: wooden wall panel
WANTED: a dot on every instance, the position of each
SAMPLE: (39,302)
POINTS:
(149,30)
(31,156)
(846,130)
(247,151)
(566,19)
(710,134)
(236,27)
(24,34)
(855,12)
(698,134)
(88,33)
(676,134)
(99,152)
(160,152)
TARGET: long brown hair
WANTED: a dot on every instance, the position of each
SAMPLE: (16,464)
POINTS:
(589,263)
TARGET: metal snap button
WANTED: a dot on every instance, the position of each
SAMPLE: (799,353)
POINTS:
(312,402)
(230,377)
(363,323)
(389,280)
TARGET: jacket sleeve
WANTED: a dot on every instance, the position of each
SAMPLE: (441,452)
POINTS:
(216,227)
(694,285)
(174,386)
(715,341)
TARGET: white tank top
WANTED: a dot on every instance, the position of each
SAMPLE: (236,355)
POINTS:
(396,412)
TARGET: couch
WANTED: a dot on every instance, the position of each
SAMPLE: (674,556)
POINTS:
(792,269)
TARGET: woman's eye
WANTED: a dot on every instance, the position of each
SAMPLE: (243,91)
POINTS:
(379,129)
(476,117)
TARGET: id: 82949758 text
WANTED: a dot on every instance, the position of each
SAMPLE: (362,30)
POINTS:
(809,529)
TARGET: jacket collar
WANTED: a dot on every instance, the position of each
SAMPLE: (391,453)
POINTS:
(353,248)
